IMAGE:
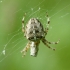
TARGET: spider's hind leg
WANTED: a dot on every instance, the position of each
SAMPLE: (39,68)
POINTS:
(23,30)
(47,27)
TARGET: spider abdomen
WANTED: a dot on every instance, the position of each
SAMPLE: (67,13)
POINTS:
(34,29)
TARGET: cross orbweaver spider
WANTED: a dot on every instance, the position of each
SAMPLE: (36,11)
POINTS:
(35,32)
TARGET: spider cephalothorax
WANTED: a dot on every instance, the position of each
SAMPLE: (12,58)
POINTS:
(35,32)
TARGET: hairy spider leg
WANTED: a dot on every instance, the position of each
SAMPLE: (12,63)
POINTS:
(23,30)
(46,43)
(25,49)
(47,27)
(53,42)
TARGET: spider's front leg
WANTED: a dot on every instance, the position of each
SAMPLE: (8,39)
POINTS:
(52,42)
(26,48)
(23,29)
(47,27)
(45,42)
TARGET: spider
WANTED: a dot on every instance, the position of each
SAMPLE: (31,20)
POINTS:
(34,32)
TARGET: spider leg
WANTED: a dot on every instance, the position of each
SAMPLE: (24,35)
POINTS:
(45,42)
(48,21)
(23,30)
(53,42)
(25,49)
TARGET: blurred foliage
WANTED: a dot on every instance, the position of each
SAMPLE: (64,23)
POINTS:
(12,39)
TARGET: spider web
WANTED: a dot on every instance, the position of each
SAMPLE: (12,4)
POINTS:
(15,41)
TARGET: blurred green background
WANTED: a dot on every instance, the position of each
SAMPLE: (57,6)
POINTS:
(13,41)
